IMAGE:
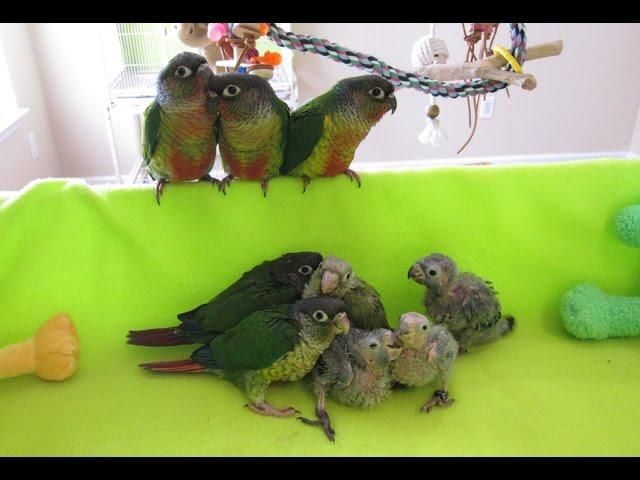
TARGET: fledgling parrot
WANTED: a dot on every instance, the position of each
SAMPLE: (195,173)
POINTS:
(274,282)
(252,129)
(428,353)
(179,127)
(355,370)
(325,132)
(278,344)
(466,304)
(335,277)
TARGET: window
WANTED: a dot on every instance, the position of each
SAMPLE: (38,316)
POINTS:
(8,103)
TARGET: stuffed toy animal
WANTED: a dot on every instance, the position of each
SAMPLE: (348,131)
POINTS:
(589,313)
(196,35)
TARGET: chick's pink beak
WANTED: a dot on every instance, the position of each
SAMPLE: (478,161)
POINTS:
(329,282)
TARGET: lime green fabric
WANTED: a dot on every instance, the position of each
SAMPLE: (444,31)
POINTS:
(115,260)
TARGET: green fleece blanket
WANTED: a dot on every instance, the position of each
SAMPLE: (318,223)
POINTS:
(114,260)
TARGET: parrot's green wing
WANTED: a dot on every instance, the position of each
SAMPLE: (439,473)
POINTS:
(150,130)
(257,342)
(305,130)
(364,307)
(285,114)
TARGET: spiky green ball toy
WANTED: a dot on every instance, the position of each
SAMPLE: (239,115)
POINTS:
(589,313)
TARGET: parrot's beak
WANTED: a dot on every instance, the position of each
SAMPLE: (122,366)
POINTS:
(341,323)
(393,103)
(416,274)
(395,350)
(204,69)
(406,337)
(329,282)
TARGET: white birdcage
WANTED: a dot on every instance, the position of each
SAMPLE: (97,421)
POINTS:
(135,53)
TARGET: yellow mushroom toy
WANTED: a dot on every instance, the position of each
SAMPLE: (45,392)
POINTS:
(51,354)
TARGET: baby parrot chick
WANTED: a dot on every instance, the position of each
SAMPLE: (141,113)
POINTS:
(275,282)
(428,353)
(325,132)
(335,277)
(278,344)
(355,370)
(465,303)
(252,128)
(179,126)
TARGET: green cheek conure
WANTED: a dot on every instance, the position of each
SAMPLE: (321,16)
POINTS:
(325,132)
(279,344)
(274,282)
(252,127)
(179,127)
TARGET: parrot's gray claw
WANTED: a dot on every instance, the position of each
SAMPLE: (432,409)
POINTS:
(306,180)
(323,421)
(353,176)
(213,181)
(159,188)
(440,399)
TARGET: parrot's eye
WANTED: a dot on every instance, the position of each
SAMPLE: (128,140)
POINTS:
(424,327)
(320,316)
(373,345)
(305,270)
(183,72)
(347,276)
(231,91)
(433,272)
(377,93)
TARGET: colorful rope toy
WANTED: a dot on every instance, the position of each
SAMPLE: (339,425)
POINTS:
(400,78)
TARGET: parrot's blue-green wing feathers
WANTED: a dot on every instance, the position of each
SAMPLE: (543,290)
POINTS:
(255,343)
(305,130)
(150,131)
(285,114)
(478,303)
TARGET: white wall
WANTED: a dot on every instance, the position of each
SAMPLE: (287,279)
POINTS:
(586,100)
(70,59)
(635,140)
(16,165)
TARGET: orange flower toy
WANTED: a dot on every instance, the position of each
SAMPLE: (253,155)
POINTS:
(263,65)
(51,354)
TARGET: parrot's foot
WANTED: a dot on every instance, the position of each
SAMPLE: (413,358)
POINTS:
(159,188)
(353,176)
(265,186)
(306,180)
(440,399)
(462,350)
(266,409)
(323,421)
(226,181)
(214,181)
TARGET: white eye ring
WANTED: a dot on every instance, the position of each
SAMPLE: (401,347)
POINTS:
(347,276)
(320,316)
(377,93)
(305,270)
(183,72)
(231,91)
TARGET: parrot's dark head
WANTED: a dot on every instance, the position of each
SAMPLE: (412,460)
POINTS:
(321,318)
(377,348)
(370,95)
(184,81)
(333,277)
(241,96)
(296,268)
(413,330)
(435,271)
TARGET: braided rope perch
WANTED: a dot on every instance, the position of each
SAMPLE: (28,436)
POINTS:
(399,78)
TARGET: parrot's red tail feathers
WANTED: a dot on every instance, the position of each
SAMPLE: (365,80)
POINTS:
(158,337)
(174,366)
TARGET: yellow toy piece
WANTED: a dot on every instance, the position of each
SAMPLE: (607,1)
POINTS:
(51,354)
(506,54)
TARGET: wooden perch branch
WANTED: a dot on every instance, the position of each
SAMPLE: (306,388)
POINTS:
(491,67)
